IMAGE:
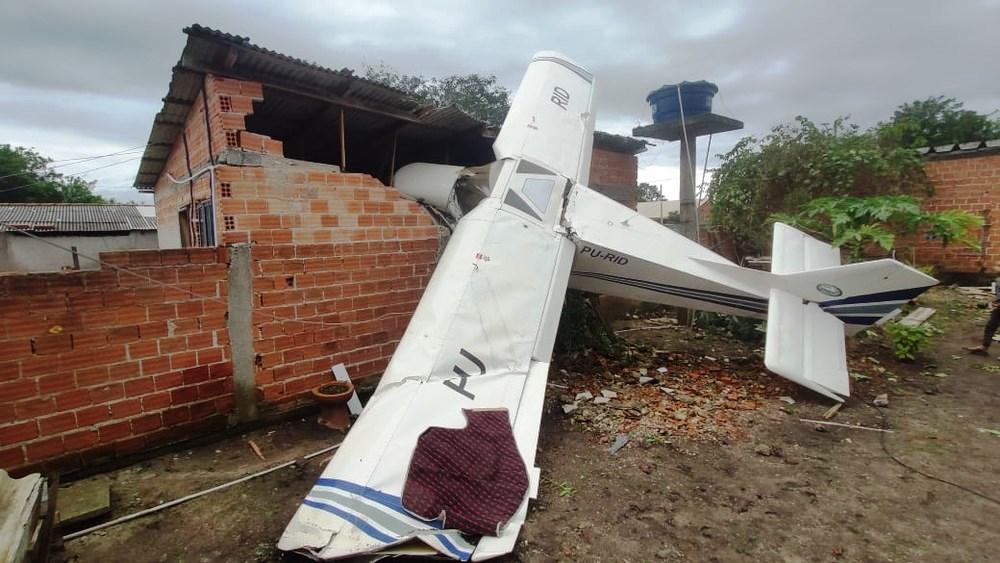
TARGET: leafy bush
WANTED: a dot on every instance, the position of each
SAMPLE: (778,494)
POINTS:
(857,223)
(797,163)
(908,341)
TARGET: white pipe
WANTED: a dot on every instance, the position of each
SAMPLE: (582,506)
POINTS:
(193,496)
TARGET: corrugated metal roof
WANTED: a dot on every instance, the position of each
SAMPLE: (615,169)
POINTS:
(209,50)
(74,217)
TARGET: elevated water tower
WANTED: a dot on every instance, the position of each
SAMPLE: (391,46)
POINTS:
(683,112)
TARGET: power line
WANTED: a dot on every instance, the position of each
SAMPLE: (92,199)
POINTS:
(37,182)
(80,160)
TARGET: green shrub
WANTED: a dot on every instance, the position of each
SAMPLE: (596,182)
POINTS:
(908,341)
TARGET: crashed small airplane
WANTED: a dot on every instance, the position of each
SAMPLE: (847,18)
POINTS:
(442,458)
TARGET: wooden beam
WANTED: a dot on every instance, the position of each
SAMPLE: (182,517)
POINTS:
(291,88)
(343,145)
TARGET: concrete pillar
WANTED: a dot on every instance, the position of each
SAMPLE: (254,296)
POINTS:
(241,332)
(688,206)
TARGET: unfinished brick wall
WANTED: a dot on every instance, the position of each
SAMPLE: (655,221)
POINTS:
(229,101)
(342,252)
(613,174)
(969,183)
(101,363)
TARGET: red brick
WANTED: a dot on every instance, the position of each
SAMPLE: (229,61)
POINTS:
(183,395)
(183,360)
(17,390)
(72,399)
(107,393)
(20,432)
(176,415)
(155,401)
(125,409)
(92,376)
(169,380)
(15,349)
(52,344)
(127,370)
(11,457)
(196,375)
(114,431)
(142,349)
(154,366)
(7,413)
(140,386)
(146,423)
(80,440)
(130,446)
(33,408)
(45,449)
(57,424)
(92,415)
(10,371)
(123,334)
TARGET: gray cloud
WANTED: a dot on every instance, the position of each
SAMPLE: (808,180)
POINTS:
(95,71)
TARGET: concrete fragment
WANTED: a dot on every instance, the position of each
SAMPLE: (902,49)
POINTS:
(661,370)
(644,380)
(569,408)
(763,450)
(619,443)
(881,400)
(643,371)
(584,396)
(601,400)
(609,394)
(787,399)
(84,500)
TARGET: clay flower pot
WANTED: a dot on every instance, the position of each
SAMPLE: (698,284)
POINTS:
(332,399)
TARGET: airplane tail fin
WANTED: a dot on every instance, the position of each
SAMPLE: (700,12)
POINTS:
(813,300)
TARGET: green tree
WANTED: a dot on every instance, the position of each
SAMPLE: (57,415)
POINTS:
(797,163)
(857,224)
(937,121)
(482,97)
(648,192)
(25,177)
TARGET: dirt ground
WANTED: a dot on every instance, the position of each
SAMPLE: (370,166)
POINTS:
(735,476)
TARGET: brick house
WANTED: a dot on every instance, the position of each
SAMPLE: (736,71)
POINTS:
(965,177)
(283,251)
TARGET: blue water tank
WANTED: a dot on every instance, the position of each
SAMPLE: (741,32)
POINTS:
(696,97)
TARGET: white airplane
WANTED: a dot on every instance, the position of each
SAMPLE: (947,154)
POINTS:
(441,461)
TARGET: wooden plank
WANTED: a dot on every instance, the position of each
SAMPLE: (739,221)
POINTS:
(20,503)
(918,317)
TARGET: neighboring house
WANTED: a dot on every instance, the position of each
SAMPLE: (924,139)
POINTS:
(90,228)
(966,177)
(664,211)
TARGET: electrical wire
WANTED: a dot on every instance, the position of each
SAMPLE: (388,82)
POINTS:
(901,463)
(115,267)
(38,182)
(80,160)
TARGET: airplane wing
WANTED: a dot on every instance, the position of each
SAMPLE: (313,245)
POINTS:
(468,376)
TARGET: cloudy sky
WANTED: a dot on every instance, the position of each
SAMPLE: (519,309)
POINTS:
(85,78)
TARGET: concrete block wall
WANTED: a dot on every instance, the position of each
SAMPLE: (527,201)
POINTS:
(969,183)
